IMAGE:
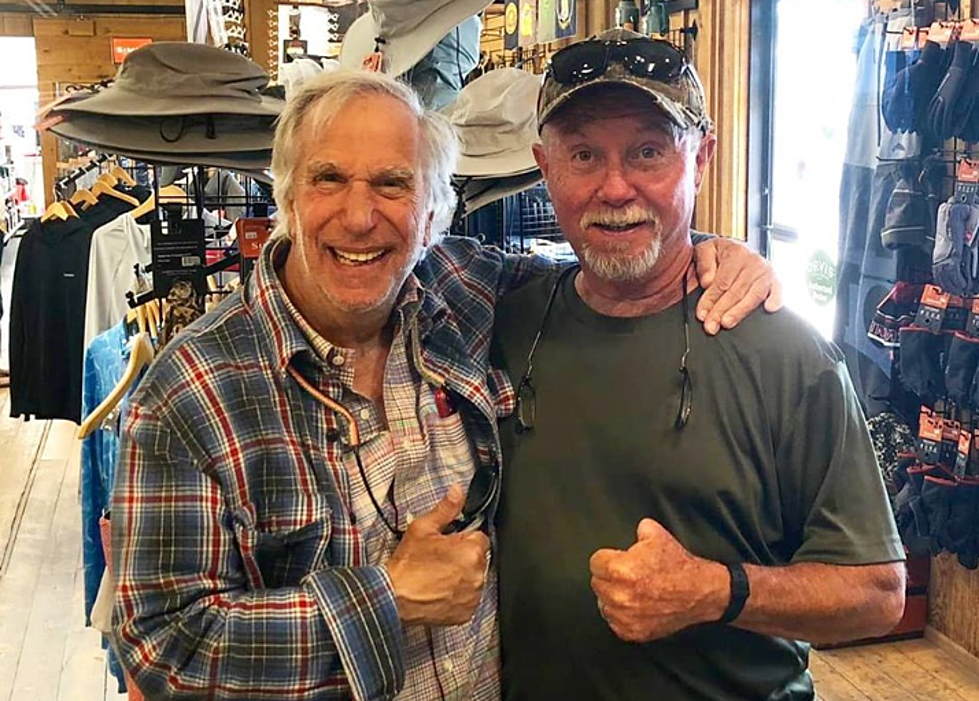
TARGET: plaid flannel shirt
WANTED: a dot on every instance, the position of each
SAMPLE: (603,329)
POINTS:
(240,572)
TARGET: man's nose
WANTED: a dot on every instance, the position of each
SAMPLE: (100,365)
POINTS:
(616,189)
(359,208)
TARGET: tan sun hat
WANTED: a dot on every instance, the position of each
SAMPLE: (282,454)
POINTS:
(404,30)
(495,117)
(178,78)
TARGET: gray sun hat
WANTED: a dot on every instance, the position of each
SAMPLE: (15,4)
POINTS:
(193,133)
(479,192)
(409,30)
(683,102)
(175,78)
(495,118)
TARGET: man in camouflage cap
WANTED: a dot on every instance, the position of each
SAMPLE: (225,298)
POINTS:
(653,545)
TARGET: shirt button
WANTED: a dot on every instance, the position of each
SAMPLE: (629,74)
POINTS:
(448,666)
(338,359)
(409,517)
(406,442)
(365,414)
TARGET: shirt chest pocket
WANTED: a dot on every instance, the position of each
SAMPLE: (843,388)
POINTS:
(284,540)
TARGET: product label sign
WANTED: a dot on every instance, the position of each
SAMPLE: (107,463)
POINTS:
(123,46)
(178,254)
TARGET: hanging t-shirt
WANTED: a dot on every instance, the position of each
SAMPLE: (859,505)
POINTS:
(116,248)
(47,320)
(105,364)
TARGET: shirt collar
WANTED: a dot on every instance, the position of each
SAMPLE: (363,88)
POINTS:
(290,332)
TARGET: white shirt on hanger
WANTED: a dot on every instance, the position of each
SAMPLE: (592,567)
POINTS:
(116,248)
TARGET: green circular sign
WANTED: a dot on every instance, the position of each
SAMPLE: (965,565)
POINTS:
(821,278)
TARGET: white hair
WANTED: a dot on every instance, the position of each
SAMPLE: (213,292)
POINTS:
(326,95)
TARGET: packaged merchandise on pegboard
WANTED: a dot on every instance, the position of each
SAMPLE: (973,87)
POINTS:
(933,331)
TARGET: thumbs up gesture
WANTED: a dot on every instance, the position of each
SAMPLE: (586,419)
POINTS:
(656,587)
(438,579)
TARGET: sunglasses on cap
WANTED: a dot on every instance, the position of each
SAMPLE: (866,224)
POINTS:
(654,59)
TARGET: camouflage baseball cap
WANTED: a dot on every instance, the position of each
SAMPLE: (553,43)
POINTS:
(681,98)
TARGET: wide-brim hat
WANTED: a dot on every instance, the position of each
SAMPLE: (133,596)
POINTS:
(683,101)
(495,118)
(480,192)
(249,162)
(408,29)
(175,77)
(172,134)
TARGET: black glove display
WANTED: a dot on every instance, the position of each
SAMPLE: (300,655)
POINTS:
(905,103)
(942,106)
(960,370)
(947,259)
(921,362)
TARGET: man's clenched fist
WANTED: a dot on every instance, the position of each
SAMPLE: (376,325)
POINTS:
(656,587)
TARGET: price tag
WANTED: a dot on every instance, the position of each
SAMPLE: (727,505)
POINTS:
(931,310)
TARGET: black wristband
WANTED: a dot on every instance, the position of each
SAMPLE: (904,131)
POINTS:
(740,591)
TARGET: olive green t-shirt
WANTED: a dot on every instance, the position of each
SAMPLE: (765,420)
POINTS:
(774,467)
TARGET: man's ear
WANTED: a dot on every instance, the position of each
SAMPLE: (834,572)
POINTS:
(705,154)
(540,156)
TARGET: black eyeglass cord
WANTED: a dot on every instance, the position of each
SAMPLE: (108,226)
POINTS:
(370,493)
(686,383)
(526,380)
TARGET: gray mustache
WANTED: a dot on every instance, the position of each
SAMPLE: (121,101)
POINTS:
(628,216)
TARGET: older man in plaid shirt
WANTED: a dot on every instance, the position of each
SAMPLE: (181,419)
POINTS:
(289,517)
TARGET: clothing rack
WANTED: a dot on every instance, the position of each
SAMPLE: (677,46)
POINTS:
(194,184)
(62,184)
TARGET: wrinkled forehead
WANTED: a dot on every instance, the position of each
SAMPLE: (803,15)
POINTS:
(372,131)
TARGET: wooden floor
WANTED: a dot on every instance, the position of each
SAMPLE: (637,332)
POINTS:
(46,653)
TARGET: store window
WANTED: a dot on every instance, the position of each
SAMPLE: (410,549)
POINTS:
(21,181)
(812,72)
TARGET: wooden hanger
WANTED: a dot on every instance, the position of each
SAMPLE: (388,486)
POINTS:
(83,195)
(101,188)
(58,210)
(172,193)
(145,208)
(153,321)
(141,355)
(888,5)
(120,173)
(107,178)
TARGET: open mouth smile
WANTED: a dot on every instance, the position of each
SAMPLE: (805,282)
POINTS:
(357,258)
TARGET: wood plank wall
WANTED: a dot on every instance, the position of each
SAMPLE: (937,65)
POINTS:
(953,602)
(79,51)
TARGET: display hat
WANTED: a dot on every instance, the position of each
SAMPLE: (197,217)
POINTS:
(176,78)
(176,134)
(404,30)
(680,96)
(249,162)
(495,117)
(480,192)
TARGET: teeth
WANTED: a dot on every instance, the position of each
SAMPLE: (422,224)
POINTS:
(619,226)
(352,257)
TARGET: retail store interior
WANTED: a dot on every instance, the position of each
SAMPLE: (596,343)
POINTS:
(138,195)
